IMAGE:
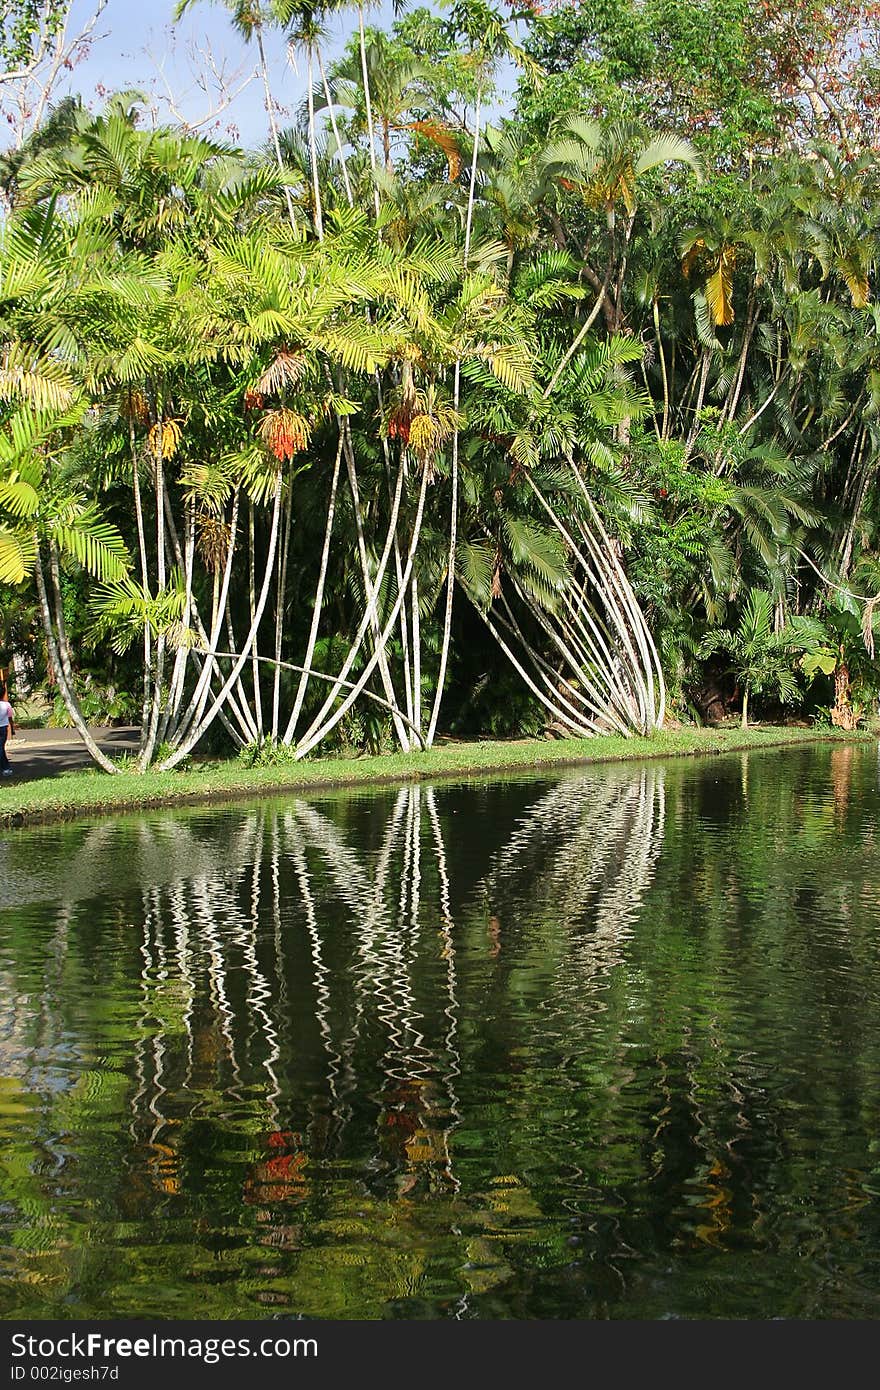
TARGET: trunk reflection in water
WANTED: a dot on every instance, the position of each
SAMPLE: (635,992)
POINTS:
(605,1045)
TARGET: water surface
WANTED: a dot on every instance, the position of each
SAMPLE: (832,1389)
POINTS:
(601,1045)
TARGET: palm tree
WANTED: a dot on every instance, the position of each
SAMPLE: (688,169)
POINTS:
(714,250)
(394,78)
(838,196)
(488,40)
(250,18)
(47,519)
(762,659)
(604,163)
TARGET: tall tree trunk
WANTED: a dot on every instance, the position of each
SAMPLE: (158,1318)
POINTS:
(372,587)
(695,426)
(279,613)
(549,703)
(270,112)
(252,609)
(149,745)
(62,666)
(453,513)
(178,677)
(362,42)
(201,729)
(658,337)
(202,691)
(319,599)
(637,651)
(181,719)
(145,578)
(238,691)
(313,148)
(314,735)
(730,405)
(332,109)
(417,654)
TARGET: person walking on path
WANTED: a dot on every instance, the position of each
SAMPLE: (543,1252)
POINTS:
(7,730)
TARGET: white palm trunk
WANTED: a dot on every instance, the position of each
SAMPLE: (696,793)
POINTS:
(313,148)
(279,616)
(398,568)
(270,112)
(553,705)
(315,735)
(60,659)
(373,586)
(613,670)
(362,42)
(587,694)
(181,718)
(372,589)
(178,675)
(252,609)
(149,745)
(332,110)
(145,581)
(238,693)
(453,516)
(417,654)
(569,698)
(207,719)
(404,636)
(203,685)
(318,603)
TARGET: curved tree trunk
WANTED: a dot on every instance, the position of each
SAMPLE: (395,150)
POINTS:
(60,659)
(313,738)
(202,727)
(372,589)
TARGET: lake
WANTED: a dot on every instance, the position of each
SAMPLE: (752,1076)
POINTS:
(599,1044)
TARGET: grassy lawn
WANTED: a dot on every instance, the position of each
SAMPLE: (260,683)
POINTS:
(76,793)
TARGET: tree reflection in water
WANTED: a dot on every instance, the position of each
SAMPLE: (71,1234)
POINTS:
(521,1049)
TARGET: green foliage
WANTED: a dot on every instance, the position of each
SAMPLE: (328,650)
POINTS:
(100,704)
(21,24)
(664,335)
(264,753)
(762,658)
(726,71)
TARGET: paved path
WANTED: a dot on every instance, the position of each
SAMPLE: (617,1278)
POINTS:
(37,753)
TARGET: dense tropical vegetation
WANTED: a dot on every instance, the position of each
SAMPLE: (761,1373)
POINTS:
(440,414)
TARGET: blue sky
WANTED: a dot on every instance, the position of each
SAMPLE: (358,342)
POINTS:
(138,46)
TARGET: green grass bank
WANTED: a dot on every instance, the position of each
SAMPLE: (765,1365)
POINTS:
(94,792)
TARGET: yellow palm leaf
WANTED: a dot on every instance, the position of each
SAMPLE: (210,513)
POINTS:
(719,291)
(857,283)
(626,187)
(17,553)
(692,256)
(441,136)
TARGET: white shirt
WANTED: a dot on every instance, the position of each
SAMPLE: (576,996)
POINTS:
(6,713)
